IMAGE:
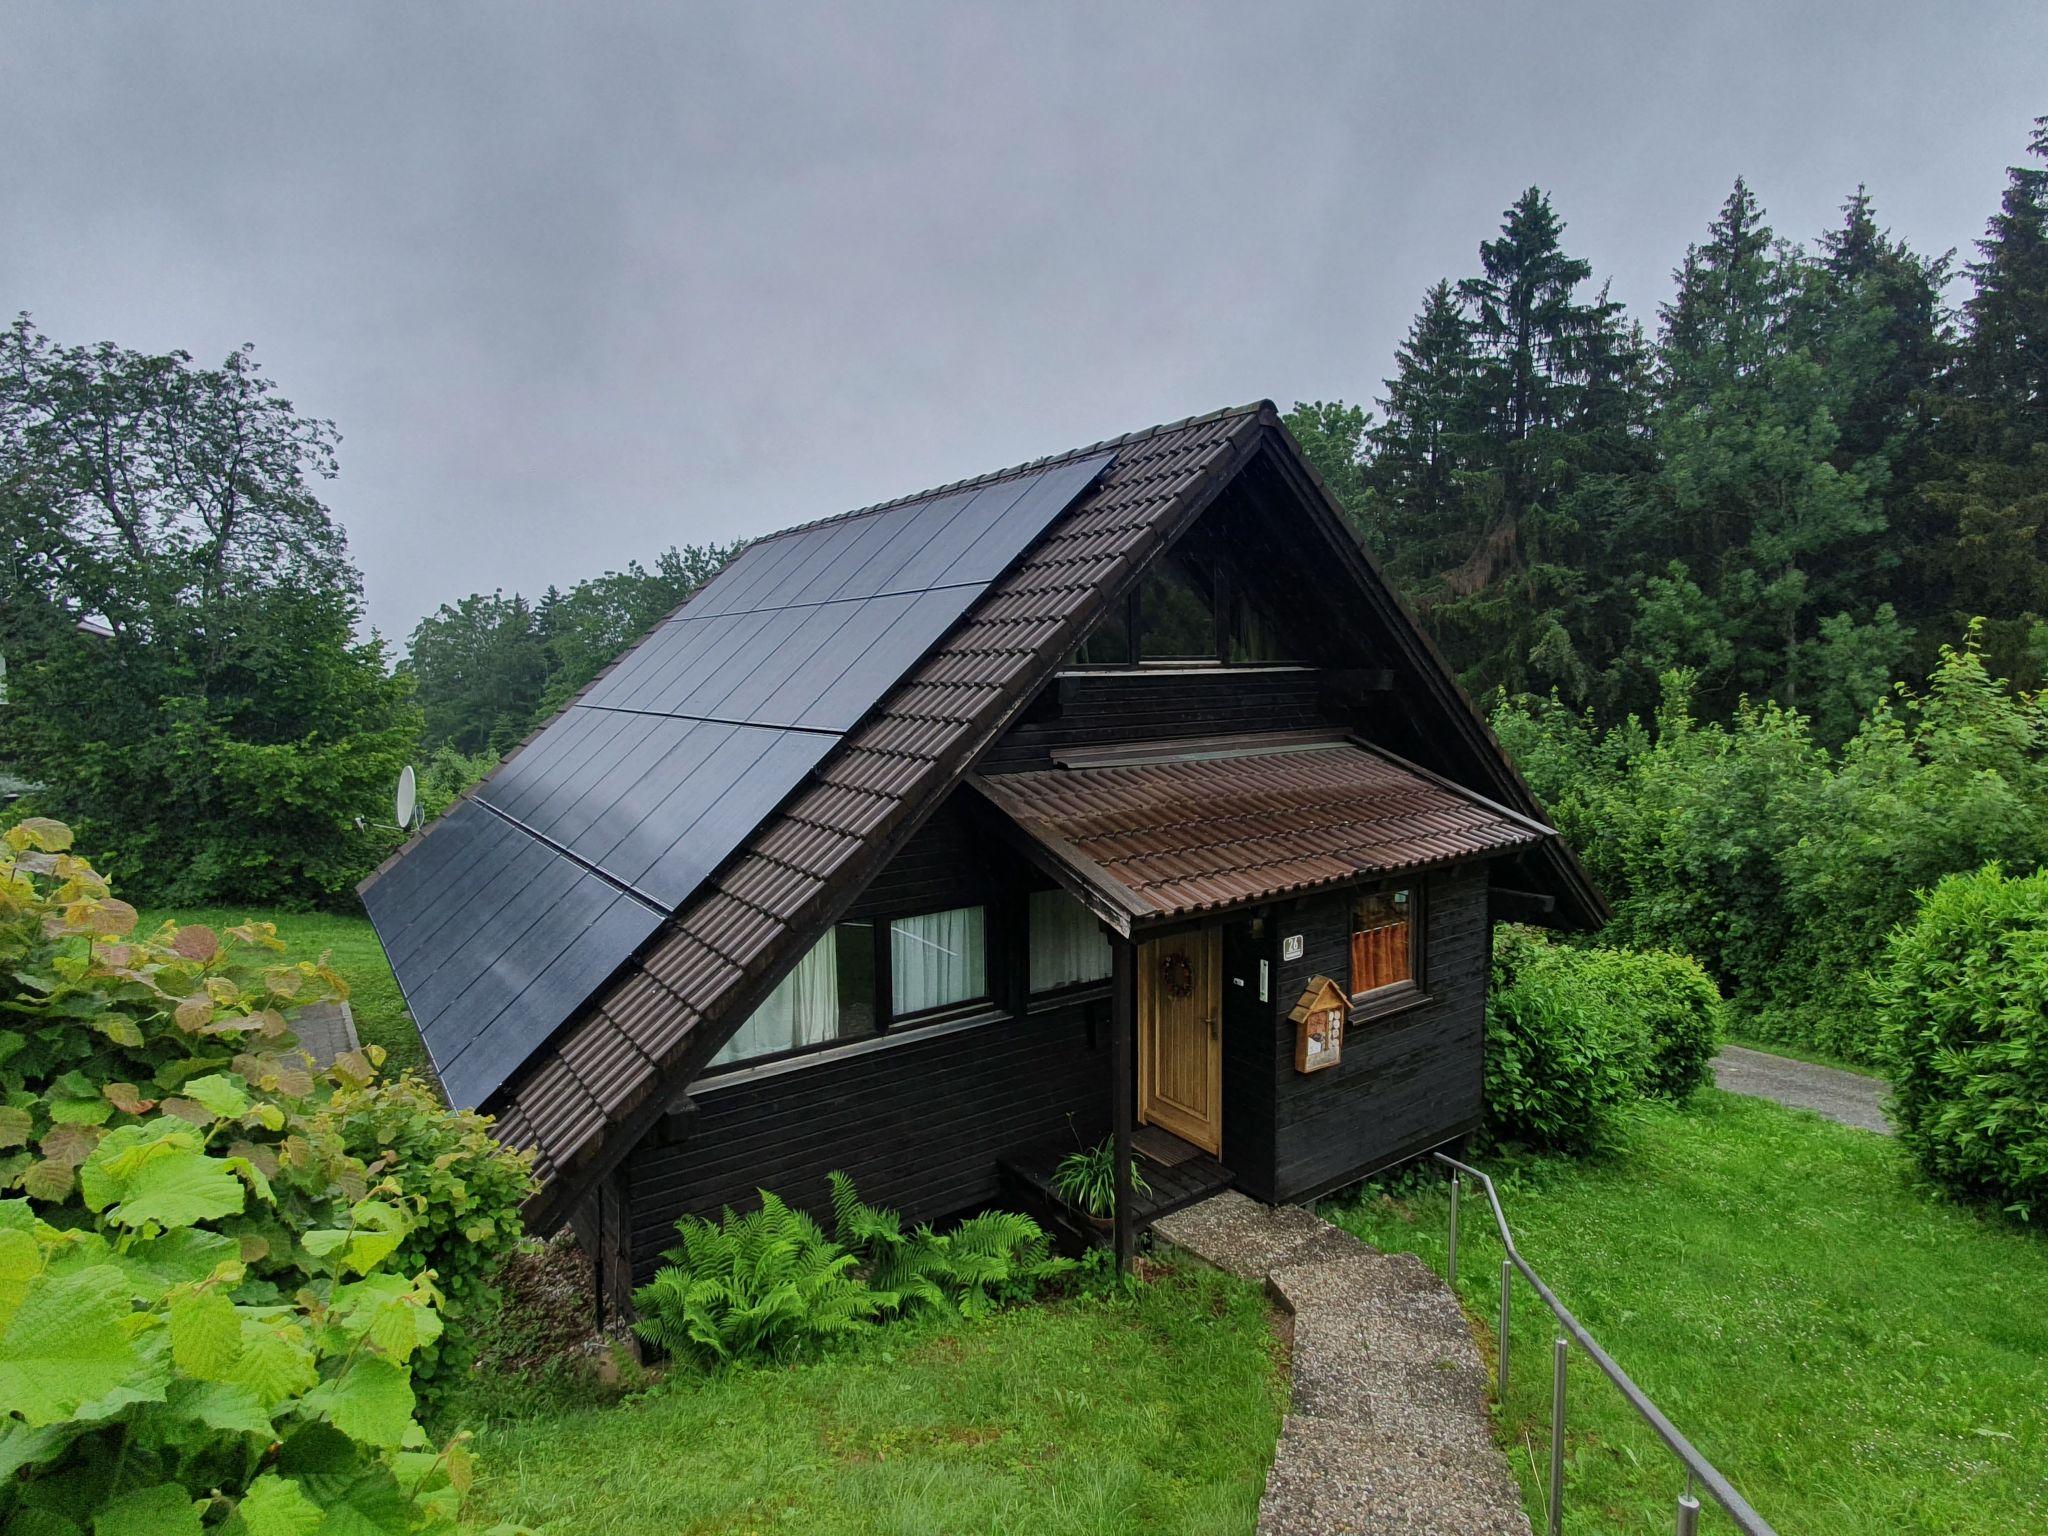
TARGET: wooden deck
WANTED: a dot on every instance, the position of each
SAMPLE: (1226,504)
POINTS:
(1177,1174)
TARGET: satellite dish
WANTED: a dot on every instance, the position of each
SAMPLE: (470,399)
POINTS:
(408,801)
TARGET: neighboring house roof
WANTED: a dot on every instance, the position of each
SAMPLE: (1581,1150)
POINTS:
(1202,827)
(788,867)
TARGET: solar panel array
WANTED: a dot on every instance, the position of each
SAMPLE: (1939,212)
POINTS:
(516,907)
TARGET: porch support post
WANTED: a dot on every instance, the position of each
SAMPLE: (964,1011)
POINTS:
(1123,1009)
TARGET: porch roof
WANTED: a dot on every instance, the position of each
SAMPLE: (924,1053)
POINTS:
(1157,831)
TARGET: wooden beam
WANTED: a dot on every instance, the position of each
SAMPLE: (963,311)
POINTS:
(1123,1012)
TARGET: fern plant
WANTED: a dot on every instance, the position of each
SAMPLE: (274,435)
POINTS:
(766,1285)
(984,1262)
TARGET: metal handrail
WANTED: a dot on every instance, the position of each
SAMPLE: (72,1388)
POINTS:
(1698,1470)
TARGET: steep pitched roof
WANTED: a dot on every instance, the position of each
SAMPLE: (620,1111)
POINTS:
(582,1097)
(587,1095)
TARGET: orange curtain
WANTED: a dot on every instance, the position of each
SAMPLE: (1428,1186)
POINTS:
(1380,956)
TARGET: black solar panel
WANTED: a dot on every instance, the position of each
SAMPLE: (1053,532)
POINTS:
(518,905)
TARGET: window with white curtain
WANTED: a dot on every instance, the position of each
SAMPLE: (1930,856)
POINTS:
(811,1006)
(937,960)
(1068,946)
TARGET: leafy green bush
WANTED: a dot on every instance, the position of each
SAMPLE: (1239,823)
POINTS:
(1778,865)
(768,1285)
(200,1322)
(987,1260)
(1561,1059)
(1677,1004)
(1963,995)
(461,1190)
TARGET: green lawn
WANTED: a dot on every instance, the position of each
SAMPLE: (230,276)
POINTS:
(1158,1414)
(380,1013)
(1857,1355)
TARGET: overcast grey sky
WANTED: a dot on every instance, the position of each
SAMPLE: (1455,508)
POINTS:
(579,283)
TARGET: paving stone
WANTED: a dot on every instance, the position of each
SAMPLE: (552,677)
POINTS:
(1336,1479)
(1388,1431)
(1236,1233)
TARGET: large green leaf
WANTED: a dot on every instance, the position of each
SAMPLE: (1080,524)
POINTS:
(206,1335)
(223,1405)
(276,1506)
(66,1344)
(158,1173)
(163,1510)
(227,1097)
(21,1260)
(370,1401)
(275,1362)
(184,1257)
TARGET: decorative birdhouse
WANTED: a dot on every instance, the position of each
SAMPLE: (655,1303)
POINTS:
(1319,1025)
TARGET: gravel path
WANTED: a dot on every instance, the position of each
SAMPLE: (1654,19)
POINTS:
(1848,1098)
(1388,1432)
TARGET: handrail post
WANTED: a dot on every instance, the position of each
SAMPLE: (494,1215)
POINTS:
(1507,1276)
(1562,1353)
(1688,1515)
(1451,1262)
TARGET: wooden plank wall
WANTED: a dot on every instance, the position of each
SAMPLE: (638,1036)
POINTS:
(1089,708)
(918,1124)
(1406,1082)
(1247,1058)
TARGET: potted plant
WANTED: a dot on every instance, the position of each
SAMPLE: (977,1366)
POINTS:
(1086,1180)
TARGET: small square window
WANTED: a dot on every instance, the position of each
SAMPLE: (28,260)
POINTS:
(1385,941)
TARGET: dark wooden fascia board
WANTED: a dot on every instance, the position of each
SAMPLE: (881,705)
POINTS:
(1424,659)
(1080,876)
(548,1208)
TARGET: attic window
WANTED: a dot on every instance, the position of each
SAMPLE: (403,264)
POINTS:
(1186,612)
(1176,613)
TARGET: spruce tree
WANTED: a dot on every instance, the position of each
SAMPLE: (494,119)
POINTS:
(1763,533)
(1510,394)
(1984,543)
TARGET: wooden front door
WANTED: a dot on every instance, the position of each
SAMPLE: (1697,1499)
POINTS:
(1180,1037)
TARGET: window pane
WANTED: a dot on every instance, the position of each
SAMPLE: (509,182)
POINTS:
(1108,644)
(938,959)
(1176,614)
(829,996)
(1252,635)
(1068,946)
(1382,945)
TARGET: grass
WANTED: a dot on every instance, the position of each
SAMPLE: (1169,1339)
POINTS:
(1854,1353)
(379,1011)
(1077,1416)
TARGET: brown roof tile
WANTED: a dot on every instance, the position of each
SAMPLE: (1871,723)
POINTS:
(1186,835)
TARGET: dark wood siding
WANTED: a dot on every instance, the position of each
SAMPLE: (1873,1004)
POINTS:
(1407,1081)
(1248,1057)
(956,859)
(1084,708)
(600,1224)
(918,1123)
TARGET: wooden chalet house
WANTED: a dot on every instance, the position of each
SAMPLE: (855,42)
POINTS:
(1115,793)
